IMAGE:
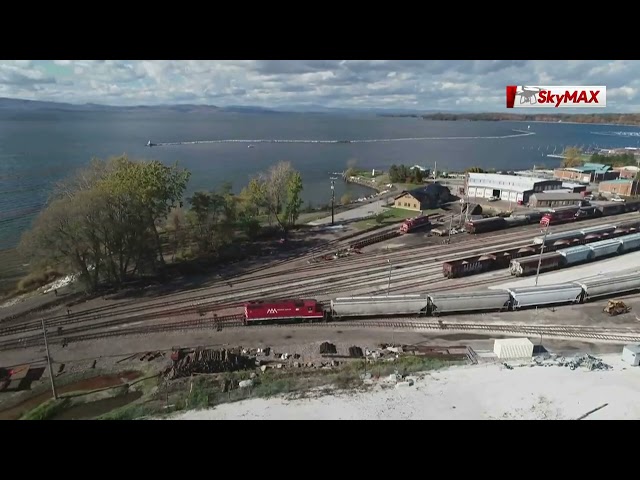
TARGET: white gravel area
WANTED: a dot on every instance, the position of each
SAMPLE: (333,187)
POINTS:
(614,265)
(485,391)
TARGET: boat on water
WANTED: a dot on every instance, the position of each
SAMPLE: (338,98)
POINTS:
(251,146)
(149,144)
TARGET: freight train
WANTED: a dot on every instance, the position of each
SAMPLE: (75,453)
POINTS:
(552,217)
(442,303)
(575,255)
(502,259)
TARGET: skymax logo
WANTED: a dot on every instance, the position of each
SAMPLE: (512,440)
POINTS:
(521,96)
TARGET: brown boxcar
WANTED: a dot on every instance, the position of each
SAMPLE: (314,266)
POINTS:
(527,266)
(468,266)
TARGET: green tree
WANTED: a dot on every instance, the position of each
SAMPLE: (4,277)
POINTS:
(345,199)
(572,157)
(474,170)
(351,171)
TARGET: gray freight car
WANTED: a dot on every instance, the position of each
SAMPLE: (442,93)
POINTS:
(442,303)
(555,237)
(602,229)
(630,242)
(545,295)
(577,254)
(379,306)
(605,248)
(601,286)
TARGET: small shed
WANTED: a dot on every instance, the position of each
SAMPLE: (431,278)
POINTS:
(513,348)
(631,355)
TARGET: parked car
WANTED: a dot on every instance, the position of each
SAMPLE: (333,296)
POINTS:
(617,199)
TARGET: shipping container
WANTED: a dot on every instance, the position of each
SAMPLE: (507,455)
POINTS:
(602,286)
(604,248)
(513,348)
(630,242)
(379,306)
(577,254)
(545,295)
(441,303)
(527,266)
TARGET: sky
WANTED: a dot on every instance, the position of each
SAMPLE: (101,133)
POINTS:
(465,85)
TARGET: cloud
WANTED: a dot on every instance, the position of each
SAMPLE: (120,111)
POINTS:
(473,85)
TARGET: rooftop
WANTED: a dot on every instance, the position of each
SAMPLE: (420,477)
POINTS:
(557,196)
(619,180)
(513,341)
(633,348)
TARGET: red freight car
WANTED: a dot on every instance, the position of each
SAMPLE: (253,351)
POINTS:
(567,214)
(414,223)
(289,310)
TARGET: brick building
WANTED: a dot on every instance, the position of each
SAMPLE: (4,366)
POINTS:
(587,173)
(627,172)
(622,187)
(555,199)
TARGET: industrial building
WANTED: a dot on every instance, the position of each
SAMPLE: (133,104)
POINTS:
(512,188)
(555,199)
(623,187)
(513,349)
(423,198)
(587,173)
(631,355)
(628,172)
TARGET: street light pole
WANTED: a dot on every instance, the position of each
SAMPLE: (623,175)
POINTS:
(333,198)
(46,346)
(544,241)
(389,283)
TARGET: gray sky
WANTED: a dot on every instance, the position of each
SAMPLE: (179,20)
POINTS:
(470,85)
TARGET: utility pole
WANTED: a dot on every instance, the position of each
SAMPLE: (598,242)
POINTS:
(46,346)
(450,227)
(389,282)
(333,198)
(544,241)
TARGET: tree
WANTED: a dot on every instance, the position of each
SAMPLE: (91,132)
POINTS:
(277,192)
(345,199)
(474,170)
(417,176)
(572,157)
(351,168)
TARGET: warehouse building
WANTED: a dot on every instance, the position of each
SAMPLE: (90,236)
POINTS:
(623,187)
(631,355)
(423,198)
(628,172)
(555,199)
(512,188)
(513,349)
(587,173)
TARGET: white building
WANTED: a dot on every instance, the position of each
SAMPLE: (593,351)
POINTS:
(512,188)
(631,355)
(513,348)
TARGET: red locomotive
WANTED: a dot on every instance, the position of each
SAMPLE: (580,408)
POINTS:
(279,310)
(560,215)
(414,223)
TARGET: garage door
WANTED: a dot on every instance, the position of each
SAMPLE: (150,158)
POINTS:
(472,191)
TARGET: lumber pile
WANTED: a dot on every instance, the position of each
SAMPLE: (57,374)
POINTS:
(209,361)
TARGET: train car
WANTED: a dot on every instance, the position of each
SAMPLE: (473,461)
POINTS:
(585,213)
(379,306)
(559,215)
(601,229)
(283,310)
(445,302)
(468,266)
(545,295)
(517,221)
(485,225)
(414,223)
(632,206)
(605,248)
(521,267)
(611,208)
(630,242)
(575,236)
(575,255)
(602,286)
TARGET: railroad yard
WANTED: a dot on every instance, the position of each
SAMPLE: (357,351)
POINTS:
(99,333)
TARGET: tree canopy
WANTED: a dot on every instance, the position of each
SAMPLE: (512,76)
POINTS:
(405,174)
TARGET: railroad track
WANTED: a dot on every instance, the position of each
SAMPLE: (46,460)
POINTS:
(200,303)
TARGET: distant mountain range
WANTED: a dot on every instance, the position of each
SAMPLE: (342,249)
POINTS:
(19,105)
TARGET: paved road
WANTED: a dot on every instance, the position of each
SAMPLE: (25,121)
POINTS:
(354,213)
